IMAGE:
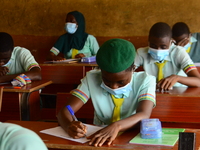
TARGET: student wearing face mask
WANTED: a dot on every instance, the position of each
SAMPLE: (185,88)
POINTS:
(190,41)
(166,61)
(120,96)
(75,43)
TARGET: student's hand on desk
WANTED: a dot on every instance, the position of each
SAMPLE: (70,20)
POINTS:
(107,134)
(167,83)
(77,129)
(3,71)
(80,55)
(58,58)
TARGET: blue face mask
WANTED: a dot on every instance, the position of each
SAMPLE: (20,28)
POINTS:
(70,27)
(157,54)
(118,91)
(187,46)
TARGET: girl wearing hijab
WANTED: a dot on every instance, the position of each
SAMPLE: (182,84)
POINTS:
(76,43)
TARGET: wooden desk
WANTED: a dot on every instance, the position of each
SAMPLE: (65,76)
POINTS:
(121,142)
(27,98)
(178,105)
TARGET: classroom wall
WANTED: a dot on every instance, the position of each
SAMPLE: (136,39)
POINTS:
(103,17)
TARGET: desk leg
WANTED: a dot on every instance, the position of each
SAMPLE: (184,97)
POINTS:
(29,106)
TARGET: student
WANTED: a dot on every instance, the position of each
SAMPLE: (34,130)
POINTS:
(76,43)
(115,82)
(15,61)
(190,41)
(15,137)
(166,61)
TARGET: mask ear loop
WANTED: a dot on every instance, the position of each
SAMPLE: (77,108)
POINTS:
(134,68)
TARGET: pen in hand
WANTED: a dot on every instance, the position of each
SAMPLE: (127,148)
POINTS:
(71,112)
(73,116)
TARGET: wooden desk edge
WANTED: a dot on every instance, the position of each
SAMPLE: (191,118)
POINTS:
(28,90)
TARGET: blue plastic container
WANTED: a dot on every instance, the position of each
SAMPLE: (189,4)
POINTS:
(88,59)
(150,129)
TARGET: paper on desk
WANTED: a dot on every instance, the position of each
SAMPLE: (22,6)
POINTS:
(59,132)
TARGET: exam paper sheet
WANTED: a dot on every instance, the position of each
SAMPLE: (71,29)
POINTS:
(59,132)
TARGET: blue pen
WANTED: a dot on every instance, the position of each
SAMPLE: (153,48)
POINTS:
(71,112)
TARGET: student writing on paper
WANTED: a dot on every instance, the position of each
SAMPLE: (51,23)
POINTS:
(120,96)
(170,64)
(75,43)
(16,62)
(190,41)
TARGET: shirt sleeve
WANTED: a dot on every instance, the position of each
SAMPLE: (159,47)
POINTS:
(58,46)
(138,58)
(94,46)
(184,60)
(148,88)
(27,60)
(82,91)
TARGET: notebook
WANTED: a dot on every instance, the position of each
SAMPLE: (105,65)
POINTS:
(169,138)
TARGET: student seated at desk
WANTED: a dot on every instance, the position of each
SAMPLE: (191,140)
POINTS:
(190,41)
(16,60)
(120,96)
(167,61)
(15,137)
(76,43)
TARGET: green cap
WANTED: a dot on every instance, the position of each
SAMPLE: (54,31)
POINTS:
(115,55)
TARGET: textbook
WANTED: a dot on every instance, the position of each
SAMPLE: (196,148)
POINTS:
(169,138)
(68,61)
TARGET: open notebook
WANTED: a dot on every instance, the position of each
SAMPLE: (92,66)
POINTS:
(59,132)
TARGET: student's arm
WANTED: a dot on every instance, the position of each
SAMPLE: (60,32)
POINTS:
(192,80)
(34,74)
(110,132)
(51,56)
(74,128)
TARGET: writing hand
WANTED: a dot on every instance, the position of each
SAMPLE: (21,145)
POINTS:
(77,129)
(107,134)
(3,71)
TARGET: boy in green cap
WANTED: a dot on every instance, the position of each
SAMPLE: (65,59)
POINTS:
(120,96)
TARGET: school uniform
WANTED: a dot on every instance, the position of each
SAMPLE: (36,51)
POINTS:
(194,51)
(21,60)
(143,88)
(15,137)
(90,47)
(178,62)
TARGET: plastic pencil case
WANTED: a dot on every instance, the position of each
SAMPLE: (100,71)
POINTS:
(150,129)
(88,59)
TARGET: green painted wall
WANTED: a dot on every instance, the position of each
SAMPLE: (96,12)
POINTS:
(103,17)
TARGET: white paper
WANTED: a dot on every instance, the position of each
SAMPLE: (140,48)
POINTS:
(59,132)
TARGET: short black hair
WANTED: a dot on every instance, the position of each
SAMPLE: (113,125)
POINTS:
(6,42)
(179,29)
(160,30)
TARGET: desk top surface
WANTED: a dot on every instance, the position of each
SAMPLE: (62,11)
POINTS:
(35,85)
(93,64)
(121,142)
(181,91)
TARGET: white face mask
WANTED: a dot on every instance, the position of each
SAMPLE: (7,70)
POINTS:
(70,27)
(158,54)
